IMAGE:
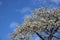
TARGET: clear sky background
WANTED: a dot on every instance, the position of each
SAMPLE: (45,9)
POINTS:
(12,13)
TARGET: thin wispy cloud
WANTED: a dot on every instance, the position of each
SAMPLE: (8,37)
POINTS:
(0,3)
(13,25)
(42,2)
(24,10)
(35,1)
(56,1)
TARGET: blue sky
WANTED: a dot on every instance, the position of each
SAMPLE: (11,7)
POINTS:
(12,13)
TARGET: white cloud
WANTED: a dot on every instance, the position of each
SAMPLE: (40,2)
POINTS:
(35,1)
(24,10)
(13,25)
(45,1)
(56,1)
(0,3)
(39,2)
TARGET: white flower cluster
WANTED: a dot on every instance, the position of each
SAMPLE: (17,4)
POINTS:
(39,18)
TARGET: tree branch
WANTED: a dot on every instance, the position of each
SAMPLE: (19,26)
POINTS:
(56,37)
(51,34)
(40,36)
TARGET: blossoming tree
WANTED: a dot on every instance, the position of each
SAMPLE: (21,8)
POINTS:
(41,20)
